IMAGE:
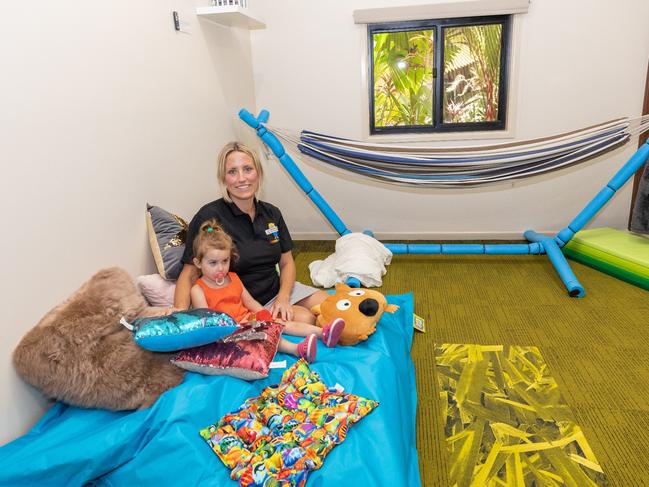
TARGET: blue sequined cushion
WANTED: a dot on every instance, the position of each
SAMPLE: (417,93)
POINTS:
(182,329)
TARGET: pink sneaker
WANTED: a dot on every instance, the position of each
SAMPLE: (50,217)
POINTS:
(307,348)
(331,332)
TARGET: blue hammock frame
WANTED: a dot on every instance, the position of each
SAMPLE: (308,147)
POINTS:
(538,243)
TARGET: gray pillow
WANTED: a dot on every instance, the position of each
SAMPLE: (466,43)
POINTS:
(167,236)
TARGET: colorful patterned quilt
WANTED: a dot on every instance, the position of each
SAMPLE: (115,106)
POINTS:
(278,437)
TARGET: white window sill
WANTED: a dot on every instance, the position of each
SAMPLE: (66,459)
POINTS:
(441,136)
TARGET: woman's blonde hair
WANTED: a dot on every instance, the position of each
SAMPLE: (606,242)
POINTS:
(212,236)
(228,149)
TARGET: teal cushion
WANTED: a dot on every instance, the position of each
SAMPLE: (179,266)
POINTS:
(182,329)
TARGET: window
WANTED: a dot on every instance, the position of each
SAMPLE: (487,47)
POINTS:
(438,75)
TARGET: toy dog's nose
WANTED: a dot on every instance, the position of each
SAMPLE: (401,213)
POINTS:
(369,307)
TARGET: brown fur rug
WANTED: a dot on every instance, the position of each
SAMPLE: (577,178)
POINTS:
(79,353)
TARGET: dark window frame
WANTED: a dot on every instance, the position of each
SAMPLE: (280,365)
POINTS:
(438,25)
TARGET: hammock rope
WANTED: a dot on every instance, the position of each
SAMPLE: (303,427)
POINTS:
(465,166)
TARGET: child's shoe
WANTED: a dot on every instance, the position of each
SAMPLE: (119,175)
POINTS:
(307,348)
(331,332)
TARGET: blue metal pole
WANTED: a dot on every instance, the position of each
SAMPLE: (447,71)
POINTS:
(462,249)
(596,204)
(287,161)
(397,248)
(575,289)
(491,249)
(512,249)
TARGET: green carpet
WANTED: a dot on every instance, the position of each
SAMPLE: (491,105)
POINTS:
(597,347)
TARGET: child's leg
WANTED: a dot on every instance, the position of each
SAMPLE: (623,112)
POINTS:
(287,347)
(301,329)
(329,334)
(303,314)
(306,349)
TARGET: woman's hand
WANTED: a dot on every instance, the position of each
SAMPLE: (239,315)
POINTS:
(282,308)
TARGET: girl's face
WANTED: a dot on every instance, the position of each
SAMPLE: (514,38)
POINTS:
(214,265)
(241,177)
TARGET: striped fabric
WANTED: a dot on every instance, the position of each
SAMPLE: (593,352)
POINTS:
(466,166)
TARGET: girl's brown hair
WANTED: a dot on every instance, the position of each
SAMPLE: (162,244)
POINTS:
(211,236)
(228,149)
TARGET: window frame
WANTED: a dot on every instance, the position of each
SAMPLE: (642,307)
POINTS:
(438,25)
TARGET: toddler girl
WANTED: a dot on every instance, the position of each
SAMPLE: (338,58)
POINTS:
(221,290)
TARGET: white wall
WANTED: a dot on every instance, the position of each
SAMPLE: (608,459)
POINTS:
(578,63)
(103,107)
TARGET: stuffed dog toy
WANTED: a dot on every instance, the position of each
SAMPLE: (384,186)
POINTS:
(360,308)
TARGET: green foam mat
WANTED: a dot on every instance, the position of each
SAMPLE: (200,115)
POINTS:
(614,252)
(596,254)
(625,245)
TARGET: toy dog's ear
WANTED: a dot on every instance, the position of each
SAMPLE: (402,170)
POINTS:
(316,310)
(391,308)
(342,287)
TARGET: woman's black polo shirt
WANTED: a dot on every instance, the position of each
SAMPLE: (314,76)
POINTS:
(260,244)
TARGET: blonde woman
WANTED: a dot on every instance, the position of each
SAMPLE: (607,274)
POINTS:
(260,235)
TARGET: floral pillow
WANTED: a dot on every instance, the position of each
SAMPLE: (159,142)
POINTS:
(280,436)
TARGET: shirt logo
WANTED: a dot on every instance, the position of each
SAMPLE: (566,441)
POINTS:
(273,231)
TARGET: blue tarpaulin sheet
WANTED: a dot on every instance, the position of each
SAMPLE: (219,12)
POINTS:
(161,445)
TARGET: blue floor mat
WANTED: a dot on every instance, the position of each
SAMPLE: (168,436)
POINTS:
(161,445)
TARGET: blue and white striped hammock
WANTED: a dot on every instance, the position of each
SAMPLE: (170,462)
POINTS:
(466,166)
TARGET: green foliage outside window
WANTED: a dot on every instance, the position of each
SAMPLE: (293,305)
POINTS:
(403,78)
(404,68)
(471,73)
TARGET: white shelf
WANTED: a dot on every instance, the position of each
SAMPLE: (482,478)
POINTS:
(231,15)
